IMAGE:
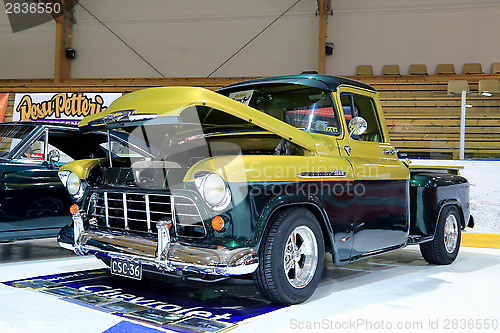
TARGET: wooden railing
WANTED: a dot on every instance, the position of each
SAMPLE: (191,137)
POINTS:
(423,120)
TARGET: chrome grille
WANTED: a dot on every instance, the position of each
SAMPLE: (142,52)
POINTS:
(141,211)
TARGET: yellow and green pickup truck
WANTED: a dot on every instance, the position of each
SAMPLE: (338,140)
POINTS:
(262,177)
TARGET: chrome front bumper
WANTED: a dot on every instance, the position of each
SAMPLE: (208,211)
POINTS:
(163,254)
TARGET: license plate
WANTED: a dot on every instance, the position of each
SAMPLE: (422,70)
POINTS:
(126,268)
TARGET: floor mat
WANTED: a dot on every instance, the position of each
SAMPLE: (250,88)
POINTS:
(171,303)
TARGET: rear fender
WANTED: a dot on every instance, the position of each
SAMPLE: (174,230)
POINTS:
(429,194)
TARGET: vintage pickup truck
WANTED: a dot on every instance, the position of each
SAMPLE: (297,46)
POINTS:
(262,177)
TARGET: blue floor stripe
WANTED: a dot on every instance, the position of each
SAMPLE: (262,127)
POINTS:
(129,327)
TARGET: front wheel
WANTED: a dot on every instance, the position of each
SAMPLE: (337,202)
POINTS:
(291,257)
(45,207)
(443,249)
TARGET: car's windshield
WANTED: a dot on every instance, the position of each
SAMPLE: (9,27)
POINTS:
(306,108)
(11,136)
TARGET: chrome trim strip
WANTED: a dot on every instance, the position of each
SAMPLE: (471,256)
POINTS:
(330,174)
(172,210)
(125,212)
(46,144)
(110,155)
(106,208)
(148,213)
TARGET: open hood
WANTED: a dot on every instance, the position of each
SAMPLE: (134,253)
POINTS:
(164,105)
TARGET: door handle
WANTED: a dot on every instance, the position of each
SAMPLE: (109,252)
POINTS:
(390,151)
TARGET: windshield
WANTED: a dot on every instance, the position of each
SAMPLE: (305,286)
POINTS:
(306,108)
(11,137)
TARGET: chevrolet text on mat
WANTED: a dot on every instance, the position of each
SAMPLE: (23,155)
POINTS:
(261,177)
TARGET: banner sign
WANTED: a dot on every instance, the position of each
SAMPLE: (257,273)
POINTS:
(66,108)
(162,302)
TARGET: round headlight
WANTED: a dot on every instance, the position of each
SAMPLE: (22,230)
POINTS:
(214,189)
(73,184)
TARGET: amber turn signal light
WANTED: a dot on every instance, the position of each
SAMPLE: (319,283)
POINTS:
(217,223)
(73,209)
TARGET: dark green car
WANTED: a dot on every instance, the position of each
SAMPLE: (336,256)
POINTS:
(33,202)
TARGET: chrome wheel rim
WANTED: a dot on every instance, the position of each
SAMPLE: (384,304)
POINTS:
(450,233)
(300,257)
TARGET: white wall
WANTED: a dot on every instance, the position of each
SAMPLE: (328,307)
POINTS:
(405,32)
(186,38)
(193,37)
(28,53)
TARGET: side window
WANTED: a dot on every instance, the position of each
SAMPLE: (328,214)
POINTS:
(355,105)
(35,151)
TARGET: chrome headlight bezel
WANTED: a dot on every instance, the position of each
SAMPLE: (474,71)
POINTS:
(74,185)
(209,185)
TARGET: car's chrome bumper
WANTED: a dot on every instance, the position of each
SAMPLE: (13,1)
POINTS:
(162,254)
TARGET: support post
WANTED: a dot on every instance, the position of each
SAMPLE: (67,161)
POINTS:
(463,108)
(322,36)
(62,65)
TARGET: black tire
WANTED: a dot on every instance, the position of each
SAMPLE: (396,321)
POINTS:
(45,207)
(441,250)
(270,277)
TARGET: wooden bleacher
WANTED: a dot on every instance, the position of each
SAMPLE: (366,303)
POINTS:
(423,120)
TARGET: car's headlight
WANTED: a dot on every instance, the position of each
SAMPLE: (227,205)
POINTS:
(73,184)
(214,190)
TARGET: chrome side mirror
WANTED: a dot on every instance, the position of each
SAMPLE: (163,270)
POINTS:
(54,156)
(357,126)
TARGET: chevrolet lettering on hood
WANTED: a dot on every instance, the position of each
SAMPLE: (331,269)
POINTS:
(260,178)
